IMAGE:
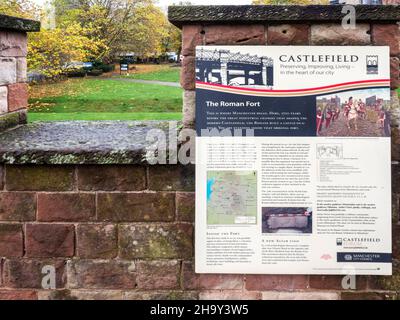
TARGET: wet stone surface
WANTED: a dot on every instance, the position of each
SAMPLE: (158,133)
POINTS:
(18,24)
(78,142)
(180,15)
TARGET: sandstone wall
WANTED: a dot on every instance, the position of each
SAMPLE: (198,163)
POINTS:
(13,87)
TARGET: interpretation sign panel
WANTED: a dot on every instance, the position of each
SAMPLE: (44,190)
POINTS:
(293,160)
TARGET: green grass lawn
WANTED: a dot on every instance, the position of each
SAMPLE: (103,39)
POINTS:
(164,73)
(104,99)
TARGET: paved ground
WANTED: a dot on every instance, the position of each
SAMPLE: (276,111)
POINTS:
(365,128)
(162,83)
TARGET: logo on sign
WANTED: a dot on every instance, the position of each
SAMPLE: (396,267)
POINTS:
(348,257)
(372,64)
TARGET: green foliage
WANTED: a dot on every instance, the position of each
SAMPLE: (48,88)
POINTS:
(19,8)
(94,29)
(124,25)
(51,51)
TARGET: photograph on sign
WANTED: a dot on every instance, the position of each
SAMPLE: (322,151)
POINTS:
(293,170)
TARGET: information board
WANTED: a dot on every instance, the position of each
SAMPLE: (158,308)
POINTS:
(124,67)
(293,160)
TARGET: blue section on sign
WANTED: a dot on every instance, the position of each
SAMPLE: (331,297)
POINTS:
(364,257)
(267,116)
(210,183)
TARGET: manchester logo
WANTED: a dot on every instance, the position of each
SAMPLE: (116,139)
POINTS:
(372,64)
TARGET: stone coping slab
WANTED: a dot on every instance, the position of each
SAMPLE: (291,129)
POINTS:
(18,24)
(247,14)
(78,142)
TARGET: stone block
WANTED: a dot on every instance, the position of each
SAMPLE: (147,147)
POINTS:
(252,34)
(39,178)
(18,295)
(66,207)
(288,34)
(8,67)
(11,240)
(17,206)
(136,207)
(13,44)
(335,34)
(387,35)
(111,178)
(21,70)
(189,108)
(185,206)
(229,295)
(172,177)
(17,96)
(49,240)
(188,73)
(101,274)
(3,99)
(276,282)
(312,295)
(27,273)
(153,241)
(161,295)
(192,36)
(97,241)
(158,275)
(394,72)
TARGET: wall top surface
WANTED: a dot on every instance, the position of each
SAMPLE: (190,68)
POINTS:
(18,24)
(250,14)
(78,142)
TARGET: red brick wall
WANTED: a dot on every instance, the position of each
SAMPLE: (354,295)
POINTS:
(126,232)
(110,231)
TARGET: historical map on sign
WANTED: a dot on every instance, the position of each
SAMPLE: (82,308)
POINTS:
(231,197)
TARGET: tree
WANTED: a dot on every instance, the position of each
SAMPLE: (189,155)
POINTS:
(51,51)
(96,29)
(148,33)
(289,2)
(173,41)
(125,25)
(19,8)
(109,20)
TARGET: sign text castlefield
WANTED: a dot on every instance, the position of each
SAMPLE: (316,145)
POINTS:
(318,58)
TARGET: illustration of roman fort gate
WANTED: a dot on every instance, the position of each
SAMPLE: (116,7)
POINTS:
(79,196)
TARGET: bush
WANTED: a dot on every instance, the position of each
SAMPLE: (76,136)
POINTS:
(99,65)
(95,72)
(107,67)
(75,73)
